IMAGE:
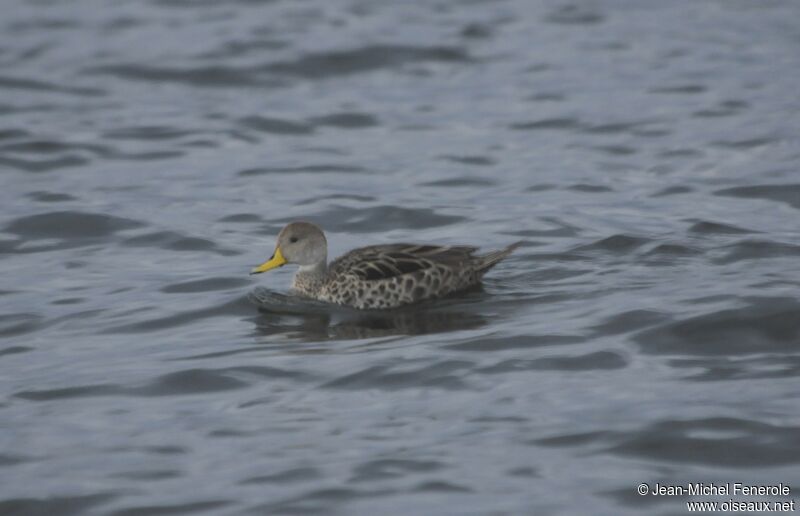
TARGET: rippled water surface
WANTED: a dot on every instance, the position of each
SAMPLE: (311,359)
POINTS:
(647,153)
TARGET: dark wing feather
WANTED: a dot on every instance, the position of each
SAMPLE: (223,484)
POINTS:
(382,262)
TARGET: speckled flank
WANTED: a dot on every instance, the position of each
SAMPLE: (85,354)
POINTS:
(373,277)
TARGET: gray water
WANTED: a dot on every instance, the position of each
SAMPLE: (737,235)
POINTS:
(646,152)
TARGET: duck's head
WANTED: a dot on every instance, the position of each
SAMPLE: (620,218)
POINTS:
(302,243)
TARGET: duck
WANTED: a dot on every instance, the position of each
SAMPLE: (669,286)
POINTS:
(378,276)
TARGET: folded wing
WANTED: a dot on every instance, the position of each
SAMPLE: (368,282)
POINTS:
(382,262)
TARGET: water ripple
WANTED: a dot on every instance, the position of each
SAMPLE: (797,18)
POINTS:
(66,505)
(33,85)
(69,225)
(788,193)
(709,441)
(767,325)
(325,65)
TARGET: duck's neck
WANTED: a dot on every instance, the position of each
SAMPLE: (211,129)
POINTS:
(309,278)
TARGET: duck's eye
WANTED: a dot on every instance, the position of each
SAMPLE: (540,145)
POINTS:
(293,239)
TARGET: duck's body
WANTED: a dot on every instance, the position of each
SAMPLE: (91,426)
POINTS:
(387,276)
(380,276)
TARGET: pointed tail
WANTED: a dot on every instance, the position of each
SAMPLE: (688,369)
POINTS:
(485,262)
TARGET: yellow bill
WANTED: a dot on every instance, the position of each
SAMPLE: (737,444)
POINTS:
(277,260)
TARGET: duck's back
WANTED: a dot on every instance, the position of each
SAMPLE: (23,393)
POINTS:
(387,276)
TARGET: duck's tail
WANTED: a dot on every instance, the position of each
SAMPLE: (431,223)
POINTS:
(485,262)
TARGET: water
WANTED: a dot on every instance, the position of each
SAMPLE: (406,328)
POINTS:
(647,153)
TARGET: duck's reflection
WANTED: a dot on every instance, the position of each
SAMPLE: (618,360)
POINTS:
(306,320)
